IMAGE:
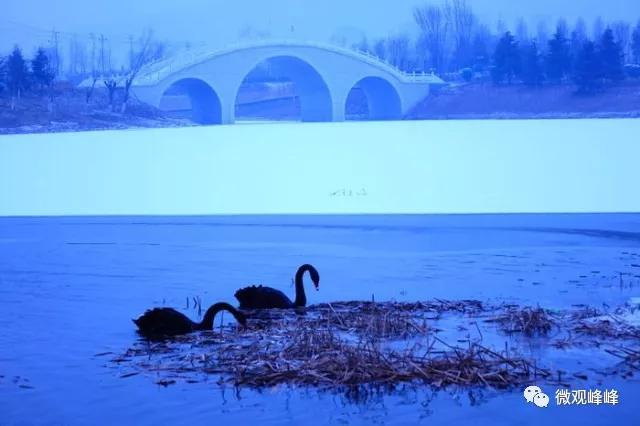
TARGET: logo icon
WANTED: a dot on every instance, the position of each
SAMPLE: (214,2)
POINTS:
(541,400)
(534,394)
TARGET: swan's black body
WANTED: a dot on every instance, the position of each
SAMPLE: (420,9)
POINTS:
(169,322)
(259,297)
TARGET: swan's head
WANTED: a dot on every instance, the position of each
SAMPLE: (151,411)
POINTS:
(241,318)
(315,278)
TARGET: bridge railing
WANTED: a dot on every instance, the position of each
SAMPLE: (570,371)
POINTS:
(156,71)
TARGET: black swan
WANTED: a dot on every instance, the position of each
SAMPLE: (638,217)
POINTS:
(259,297)
(169,322)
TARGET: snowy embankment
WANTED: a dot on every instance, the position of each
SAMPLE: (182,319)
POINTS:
(487,101)
(376,167)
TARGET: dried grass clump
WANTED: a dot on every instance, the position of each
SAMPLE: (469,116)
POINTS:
(435,306)
(596,323)
(355,345)
(381,322)
(606,328)
(630,357)
(321,358)
(529,321)
(393,320)
(584,312)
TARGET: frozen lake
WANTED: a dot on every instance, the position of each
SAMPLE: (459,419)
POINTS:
(372,167)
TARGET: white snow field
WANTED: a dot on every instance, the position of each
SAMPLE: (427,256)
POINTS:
(508,166)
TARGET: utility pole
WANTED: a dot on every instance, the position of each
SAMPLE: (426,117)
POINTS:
(109,66)
(102,40)
(73,57)
(131,54)
(56,51)
(92,36)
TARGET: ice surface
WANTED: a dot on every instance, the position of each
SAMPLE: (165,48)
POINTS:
(375,167)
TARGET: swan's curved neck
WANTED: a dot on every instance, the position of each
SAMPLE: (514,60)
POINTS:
(301,297)
(207,321)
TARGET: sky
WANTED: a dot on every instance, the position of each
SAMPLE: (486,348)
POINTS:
(219,22)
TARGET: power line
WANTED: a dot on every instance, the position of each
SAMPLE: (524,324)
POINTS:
(118,39)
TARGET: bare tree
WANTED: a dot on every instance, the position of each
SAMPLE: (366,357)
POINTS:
(56,58)
(434,28)
(380,49)
(77,57)
(598,28)
(461,21)
(149,50)
(501,27)
(93,68)
(362,45)
(578,38)
(398,51)
(112,85)
(482,45)
(542,35)
(580,29)
(522,31)
(106,72)
(562,28)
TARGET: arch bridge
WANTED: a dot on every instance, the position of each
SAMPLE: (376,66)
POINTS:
(323,76)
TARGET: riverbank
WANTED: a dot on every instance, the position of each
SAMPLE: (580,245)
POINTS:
(487,101)
(70,112)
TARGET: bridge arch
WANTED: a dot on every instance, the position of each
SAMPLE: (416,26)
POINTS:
(324,76)
(195,95)
(313,93)
(381,97)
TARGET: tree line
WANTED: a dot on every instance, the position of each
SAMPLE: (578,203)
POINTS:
(452,41)
(19,74)
(590,65)
(38,74)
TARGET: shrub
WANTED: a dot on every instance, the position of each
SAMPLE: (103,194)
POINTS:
(466,74)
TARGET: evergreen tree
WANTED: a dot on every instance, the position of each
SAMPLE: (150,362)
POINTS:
(559,56)
(611,57)
(17,73)
(506,60)
(532,73)
(3,74)
(635,43)
(588,71)
(43,74)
